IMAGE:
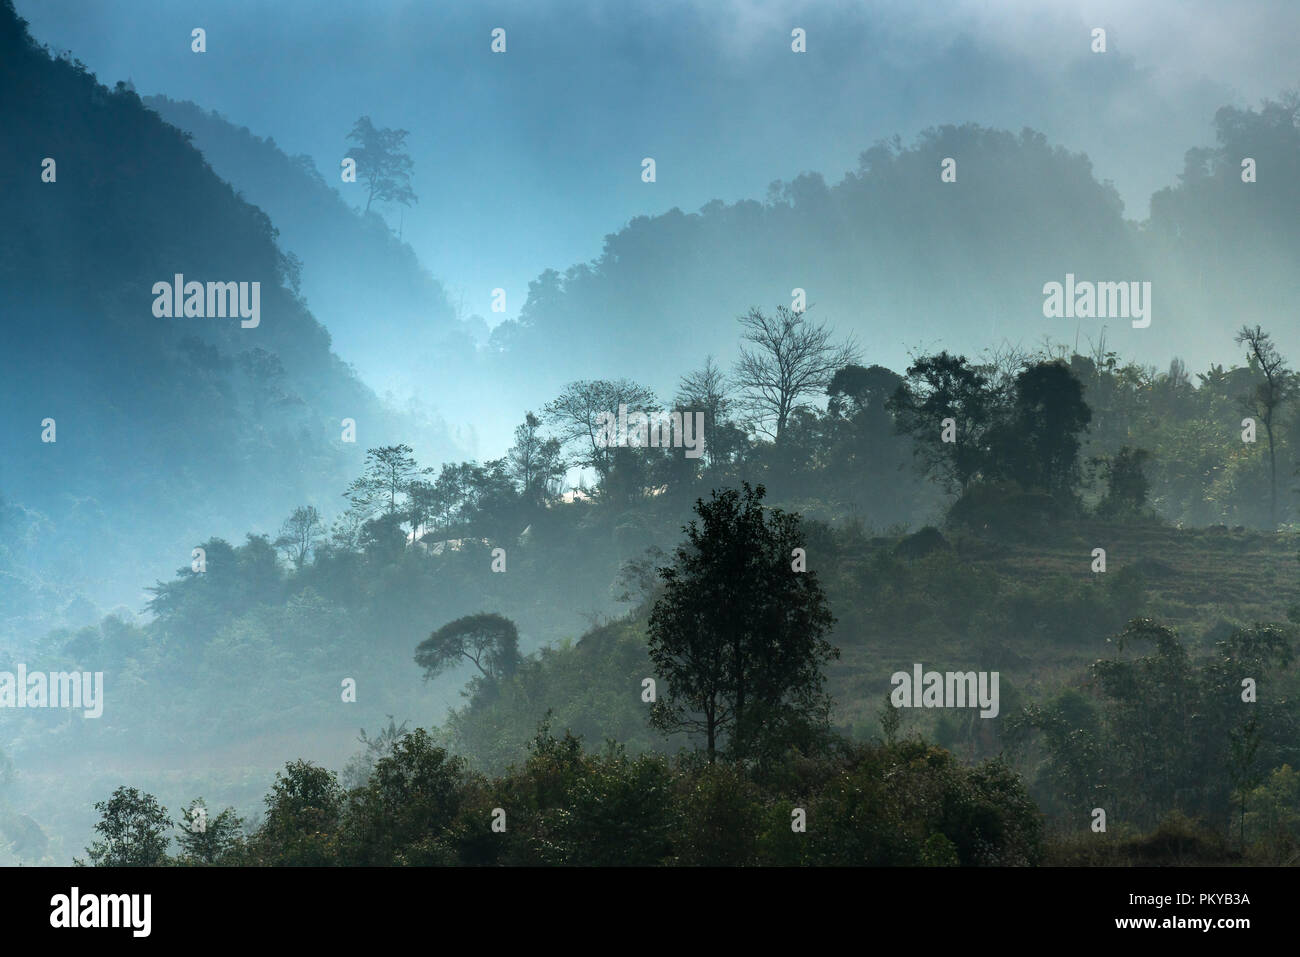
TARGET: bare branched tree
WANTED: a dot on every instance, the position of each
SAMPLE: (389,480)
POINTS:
(1001,364)
(790,360)
(299,534)
(575,413)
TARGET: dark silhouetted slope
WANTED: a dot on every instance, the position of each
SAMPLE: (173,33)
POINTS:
(385,311)
(167,429)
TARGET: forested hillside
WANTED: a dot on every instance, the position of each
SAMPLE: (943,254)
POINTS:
(967,553)
(797,529)
(889,255)
(387,315)
(165,429)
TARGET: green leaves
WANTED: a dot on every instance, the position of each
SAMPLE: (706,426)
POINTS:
(489,641)
(737,635)
(133,827)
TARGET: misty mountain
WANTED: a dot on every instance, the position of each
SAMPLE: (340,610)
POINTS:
(902,259)
(165,430)
(894,253)
(386,313)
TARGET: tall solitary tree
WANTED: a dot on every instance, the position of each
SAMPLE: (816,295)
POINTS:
(788,361)
(382,164)
(490,642)
(389,471)
(534,461)
(1264,400)
(738,635)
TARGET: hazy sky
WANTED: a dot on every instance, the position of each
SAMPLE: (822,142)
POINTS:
(527,160)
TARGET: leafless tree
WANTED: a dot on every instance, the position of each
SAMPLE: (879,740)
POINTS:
(575,414)
(788,361)
(299,534)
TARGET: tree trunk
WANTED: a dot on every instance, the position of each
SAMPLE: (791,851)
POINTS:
(1272,480)
(738,725)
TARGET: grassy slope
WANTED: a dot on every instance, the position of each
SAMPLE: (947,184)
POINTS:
(1192,579)
(1032,610)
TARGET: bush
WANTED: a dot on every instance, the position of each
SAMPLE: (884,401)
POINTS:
(1003,509)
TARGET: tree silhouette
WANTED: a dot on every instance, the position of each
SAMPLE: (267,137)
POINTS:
(707,390)
(389,470)
(299,534)
(490,641)
(575,413)
(381,163)
(1267,396)
(1038,445)
(942,387)
(207,839)
(790,360)
(737,635)
(535,462)
(134,831)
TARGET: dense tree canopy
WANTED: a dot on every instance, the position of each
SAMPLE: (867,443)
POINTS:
(738,635)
